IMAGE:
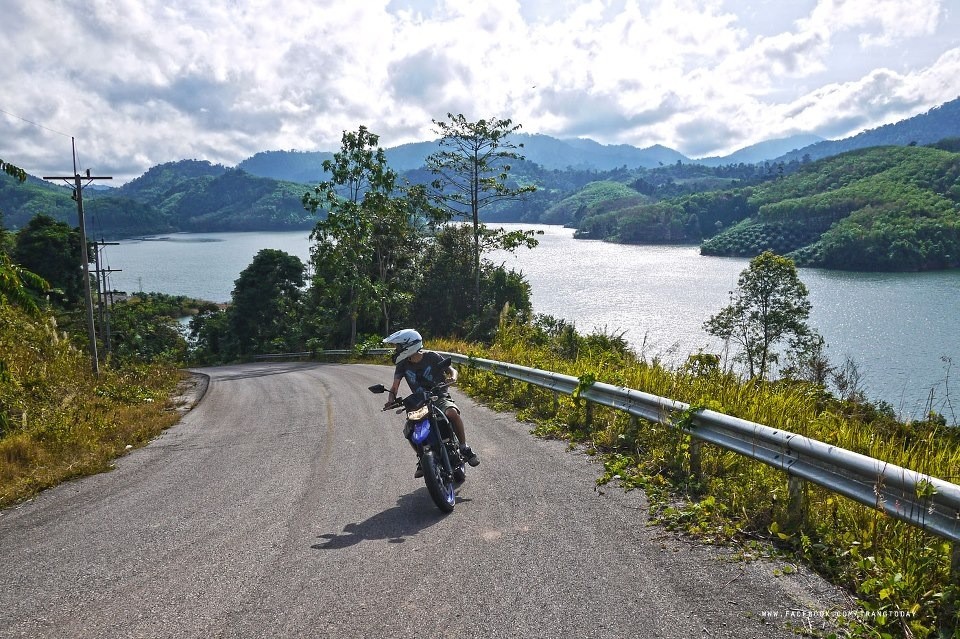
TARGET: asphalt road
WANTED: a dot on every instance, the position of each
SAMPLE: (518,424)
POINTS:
(284,505)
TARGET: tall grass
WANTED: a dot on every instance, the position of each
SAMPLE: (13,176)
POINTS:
(57,419)
(900,575)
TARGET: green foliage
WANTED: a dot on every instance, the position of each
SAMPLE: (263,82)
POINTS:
(441,302)
(890,208)
(146,327)
(364,251)
(179,196)
(473,164)
(22,201)
(212,341)
(660,223)
(13,171)
(51,249)
(588,200)
(750,238)
(769,306)
(266,309)
(678,220)
(16,283)
(472,169)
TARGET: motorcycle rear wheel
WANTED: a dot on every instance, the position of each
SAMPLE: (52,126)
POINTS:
(441,491)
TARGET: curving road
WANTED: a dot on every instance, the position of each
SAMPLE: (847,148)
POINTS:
(284,505)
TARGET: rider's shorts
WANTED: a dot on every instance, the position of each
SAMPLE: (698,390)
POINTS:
(445,403)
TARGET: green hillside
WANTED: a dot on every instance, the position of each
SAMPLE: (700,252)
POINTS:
(883,208)
(589,200)
(189,195)
(199,196)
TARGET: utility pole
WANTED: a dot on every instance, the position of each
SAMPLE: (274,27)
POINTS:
(85,258)
(103,305)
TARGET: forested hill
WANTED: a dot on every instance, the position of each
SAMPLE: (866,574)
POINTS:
(303,167)
(924,129)
(883,208)
(189,195)
(198,196)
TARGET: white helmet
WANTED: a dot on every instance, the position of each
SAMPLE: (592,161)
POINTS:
(408,341)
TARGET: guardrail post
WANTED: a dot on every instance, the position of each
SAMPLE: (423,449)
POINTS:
(588,415)
(950,605)
(796,502)
(696,459)
(955,565)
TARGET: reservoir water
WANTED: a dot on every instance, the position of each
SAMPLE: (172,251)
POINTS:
(901,329)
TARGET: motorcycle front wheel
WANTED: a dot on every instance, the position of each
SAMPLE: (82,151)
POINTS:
(441,490)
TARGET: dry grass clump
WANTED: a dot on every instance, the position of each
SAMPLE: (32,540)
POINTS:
(57,419)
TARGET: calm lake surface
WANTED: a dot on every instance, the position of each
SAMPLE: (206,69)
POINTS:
(901,329)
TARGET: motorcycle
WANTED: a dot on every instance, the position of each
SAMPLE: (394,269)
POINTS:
(438,447)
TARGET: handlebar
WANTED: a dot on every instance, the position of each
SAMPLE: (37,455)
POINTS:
(398,401)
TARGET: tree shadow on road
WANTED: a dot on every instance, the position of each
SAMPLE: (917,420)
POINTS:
(249,371)
(413,513)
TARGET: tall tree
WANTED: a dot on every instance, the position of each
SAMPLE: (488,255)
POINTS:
(446,271)
(769,306)
(265,311)
(366,241)
(472,169)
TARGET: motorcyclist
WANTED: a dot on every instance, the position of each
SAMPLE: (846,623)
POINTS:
(419,368)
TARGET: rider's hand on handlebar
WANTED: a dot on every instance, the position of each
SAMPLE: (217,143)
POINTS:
(390,404)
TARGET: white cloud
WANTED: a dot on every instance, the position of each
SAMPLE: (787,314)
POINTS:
(139,82)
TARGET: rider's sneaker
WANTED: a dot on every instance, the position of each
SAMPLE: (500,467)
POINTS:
(419,472)
(469,456)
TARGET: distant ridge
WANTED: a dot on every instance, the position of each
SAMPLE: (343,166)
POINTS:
(305,167)
(763,151)
(927,128)
(552,153)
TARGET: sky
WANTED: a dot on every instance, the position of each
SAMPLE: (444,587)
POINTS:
(137,83)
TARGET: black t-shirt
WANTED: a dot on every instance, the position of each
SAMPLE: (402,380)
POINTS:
(422,375)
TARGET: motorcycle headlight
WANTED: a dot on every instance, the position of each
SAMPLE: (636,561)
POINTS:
(418,413)
(420,432)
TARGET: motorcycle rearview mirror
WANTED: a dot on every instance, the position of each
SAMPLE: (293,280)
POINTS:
(444,363)
(379,388)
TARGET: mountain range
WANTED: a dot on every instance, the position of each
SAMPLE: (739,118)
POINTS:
(265,190)
(553,154)
(584,154)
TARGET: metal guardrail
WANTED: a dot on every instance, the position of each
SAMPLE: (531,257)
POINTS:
(918,499)
(924,501)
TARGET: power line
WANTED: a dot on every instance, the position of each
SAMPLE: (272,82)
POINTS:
(46,128)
